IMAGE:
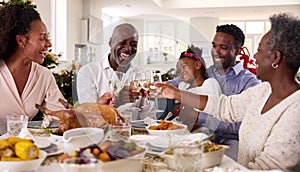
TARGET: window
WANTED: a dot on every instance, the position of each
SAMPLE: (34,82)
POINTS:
(59,28)
(162,42)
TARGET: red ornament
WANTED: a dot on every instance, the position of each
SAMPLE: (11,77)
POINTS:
(245,55)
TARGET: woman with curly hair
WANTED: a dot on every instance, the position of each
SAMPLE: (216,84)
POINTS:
(23,81)
(269,136)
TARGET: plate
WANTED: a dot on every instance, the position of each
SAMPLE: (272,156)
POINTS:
(41,142)
(141,138)
(163,142)
(36,124)
(56,138)
(139,124)
(54,149)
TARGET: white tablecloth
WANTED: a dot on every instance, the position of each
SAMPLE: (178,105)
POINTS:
(226,163)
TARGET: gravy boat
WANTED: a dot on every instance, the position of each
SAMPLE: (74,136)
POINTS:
(81,137)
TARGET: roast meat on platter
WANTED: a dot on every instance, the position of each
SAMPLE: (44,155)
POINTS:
(85,115)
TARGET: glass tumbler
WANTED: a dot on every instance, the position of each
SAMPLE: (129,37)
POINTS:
(188,159)
(123,131)
(15,124)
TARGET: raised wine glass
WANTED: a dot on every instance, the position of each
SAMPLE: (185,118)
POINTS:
(116,83)
(154,90)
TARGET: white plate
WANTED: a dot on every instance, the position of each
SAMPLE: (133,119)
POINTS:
(56,138)
(54,149)
(41,142)
(163,142)
(36,124)
(141,138)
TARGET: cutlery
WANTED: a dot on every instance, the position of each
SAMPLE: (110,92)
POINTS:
(168,116)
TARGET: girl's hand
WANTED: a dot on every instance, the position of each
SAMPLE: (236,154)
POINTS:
(167,91)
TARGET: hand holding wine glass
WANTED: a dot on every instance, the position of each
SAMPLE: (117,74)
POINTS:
(155,78)
(116,83)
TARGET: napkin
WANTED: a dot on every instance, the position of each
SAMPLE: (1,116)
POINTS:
(46,121)
(26,134)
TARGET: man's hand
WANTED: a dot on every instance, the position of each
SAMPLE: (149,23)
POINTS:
(107,99)
(126,95)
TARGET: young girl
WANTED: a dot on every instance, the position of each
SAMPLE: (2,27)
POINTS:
(193,74)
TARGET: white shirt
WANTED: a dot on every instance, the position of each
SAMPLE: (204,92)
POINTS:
(210,86)
(93,79)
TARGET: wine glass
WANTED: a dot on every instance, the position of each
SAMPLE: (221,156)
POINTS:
(154,90)
(139,81)
(116,83)
(155,78)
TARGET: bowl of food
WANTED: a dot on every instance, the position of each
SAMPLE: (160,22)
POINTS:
(113,155)
(20,155)
(212,155)
(165,128)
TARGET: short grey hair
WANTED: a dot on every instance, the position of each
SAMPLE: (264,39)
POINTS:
(285,37)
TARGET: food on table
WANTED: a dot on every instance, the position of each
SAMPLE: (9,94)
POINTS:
(165,125)
(207,146)
(18,149)
(26,150)
(6,150)
(85,115)
(14,140)
(107,151)
(210,147)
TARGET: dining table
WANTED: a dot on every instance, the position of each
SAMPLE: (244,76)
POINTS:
(226,164)
(52,164)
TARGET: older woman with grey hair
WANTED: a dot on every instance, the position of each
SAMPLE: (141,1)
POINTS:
(269,112)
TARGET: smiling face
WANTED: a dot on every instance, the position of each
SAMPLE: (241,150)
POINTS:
(263,59)
(123,46)
(224,51)
(189,69)
(37,42)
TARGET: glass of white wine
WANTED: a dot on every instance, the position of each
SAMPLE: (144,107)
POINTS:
(155,78)
(154,90)
(139,81)
(117,82)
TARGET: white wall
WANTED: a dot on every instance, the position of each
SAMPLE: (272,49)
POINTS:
(201,29)
(44,8)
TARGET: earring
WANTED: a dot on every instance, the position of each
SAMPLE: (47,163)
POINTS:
(274,65)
